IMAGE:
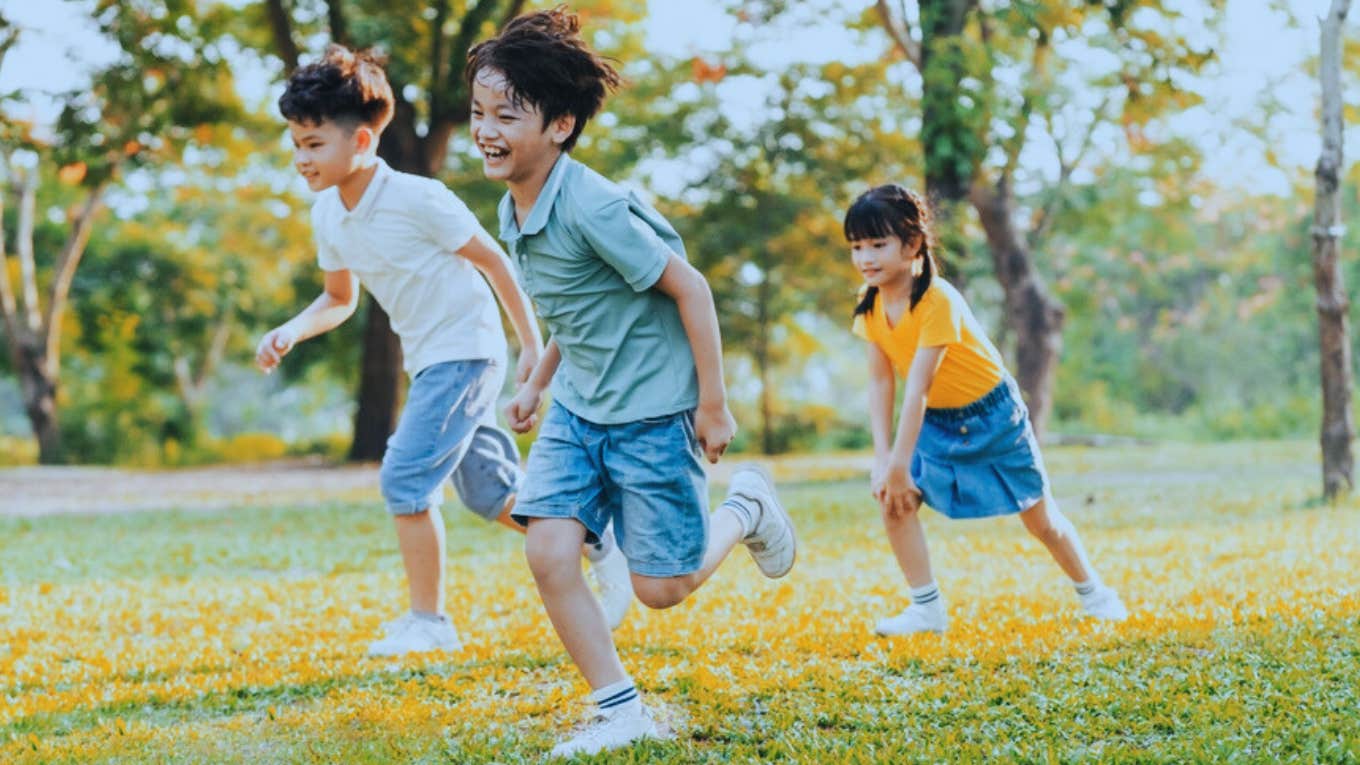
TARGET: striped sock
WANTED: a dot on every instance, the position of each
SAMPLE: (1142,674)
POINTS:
(1087,587)
(747,511)
(925,595)
(616,695)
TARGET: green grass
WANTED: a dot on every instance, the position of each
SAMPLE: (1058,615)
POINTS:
(236,635)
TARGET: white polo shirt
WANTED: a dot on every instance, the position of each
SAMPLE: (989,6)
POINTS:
(401,240)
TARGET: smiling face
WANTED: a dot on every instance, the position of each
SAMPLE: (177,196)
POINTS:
(886,260)
(516,146)
(327,153)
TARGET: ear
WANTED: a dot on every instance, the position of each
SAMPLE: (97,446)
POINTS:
(364,138)
(560,129)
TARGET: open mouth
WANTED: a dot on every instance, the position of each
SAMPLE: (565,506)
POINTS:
(491,152)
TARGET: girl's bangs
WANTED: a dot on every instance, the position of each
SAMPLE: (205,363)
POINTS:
(869,218)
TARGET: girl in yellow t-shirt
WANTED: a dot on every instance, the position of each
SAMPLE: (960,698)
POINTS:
(964,442)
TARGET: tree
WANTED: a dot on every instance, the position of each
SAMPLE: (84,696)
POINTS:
(1338,427)
(977,126)
(142,109)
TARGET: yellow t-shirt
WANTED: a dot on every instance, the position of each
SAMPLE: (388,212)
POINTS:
(971,367)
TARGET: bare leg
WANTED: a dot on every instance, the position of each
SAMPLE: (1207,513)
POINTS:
(1047,523)
(553,548)
(421,539)
(725,531)
(908,539)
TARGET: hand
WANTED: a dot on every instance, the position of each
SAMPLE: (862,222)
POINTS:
(522,411)
(528,359)
(895,490)
(715,428)
(274,346)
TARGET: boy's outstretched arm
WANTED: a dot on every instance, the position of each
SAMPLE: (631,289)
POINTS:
(713,423)
(494,264)
(337,301)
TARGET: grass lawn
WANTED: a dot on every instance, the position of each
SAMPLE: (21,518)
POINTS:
(237,635)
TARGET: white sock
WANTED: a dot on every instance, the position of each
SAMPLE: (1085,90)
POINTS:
(620,694)
(1087,587)
(926,595)
(747,511)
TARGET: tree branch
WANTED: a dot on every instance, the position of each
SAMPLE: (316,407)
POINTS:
(335,19)
(65,271)
(899,30)
(467,32)
(1066,167)
(8,307)
(26,186)
(437,63)
(282,26)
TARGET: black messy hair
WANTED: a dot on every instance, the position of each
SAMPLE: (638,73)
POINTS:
(892,210)
(548,66)
(345,86)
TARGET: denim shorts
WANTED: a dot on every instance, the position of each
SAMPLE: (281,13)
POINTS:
(646,476)
(980,460)
(448,432)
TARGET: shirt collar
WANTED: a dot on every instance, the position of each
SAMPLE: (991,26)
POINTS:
(371,192)
(538,216)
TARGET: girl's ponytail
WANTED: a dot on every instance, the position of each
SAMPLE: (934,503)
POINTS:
(866,304)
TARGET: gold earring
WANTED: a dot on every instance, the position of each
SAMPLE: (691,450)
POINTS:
(918,266)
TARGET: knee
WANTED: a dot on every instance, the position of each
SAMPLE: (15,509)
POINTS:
(551,560)
(658,594)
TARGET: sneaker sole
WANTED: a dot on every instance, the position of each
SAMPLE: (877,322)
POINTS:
(779,508)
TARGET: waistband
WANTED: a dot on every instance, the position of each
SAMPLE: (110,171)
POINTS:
(1002,392)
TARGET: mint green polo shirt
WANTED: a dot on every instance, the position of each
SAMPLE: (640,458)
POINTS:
(588,254)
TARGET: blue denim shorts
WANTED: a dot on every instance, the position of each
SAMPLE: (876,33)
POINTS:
(646,476)
(448,432)
(980,460)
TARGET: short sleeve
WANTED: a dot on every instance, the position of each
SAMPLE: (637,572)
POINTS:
(444,218)
(941,320)
(621,236)
(327,259)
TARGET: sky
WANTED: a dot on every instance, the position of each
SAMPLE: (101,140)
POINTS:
(1262,56)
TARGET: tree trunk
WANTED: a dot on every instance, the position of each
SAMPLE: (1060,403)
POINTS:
(1035,316)
(762,357)
(1333,304)
(379,387)
(39,388)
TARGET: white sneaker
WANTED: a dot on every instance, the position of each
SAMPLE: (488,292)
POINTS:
(412,634)
(1104,603)
(611,729)
(772,542)
(917,617)
(614,584)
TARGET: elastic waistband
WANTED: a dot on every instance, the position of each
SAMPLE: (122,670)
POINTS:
(1002,392)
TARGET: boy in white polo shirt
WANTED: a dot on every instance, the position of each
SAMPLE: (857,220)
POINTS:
(418,250)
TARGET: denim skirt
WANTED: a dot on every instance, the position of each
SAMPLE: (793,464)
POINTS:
(980,460)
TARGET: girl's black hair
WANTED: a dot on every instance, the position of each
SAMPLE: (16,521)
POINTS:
(892,210)
(548,66)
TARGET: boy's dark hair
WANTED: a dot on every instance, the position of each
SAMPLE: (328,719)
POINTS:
(345,86)
(892,210)
(548,66)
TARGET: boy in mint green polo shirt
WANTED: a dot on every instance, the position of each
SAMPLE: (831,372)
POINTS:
(634,361)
